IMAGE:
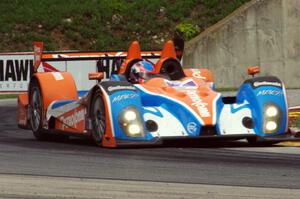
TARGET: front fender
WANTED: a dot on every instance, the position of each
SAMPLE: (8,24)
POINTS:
(260,93)
(118,96)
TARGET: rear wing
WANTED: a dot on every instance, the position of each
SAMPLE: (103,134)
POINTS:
(107,62)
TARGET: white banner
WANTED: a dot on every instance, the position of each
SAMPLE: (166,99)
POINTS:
(15,71)
(17,68)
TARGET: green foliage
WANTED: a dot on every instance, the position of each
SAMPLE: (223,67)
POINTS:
(211,3)
(296,122)
(187,29)
(215,10)
(180,10)
(104,24)
(8,96)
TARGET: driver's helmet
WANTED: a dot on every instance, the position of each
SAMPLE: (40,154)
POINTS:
(141,72)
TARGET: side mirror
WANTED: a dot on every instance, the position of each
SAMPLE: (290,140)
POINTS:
(252,70)
(96,76)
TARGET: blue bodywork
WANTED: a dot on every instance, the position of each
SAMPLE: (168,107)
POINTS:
(252,99)
(257,99)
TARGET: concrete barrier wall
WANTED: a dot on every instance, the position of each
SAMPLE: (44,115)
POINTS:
(261,32)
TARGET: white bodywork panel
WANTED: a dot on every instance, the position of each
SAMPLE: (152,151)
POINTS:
(230,123)
(166,127)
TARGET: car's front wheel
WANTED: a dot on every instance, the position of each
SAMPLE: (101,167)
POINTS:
(98,118)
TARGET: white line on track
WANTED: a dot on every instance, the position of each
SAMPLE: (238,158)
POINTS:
(18,186)
(281,150)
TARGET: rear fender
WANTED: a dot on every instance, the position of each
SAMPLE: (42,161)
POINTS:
(55,86)
(261,92)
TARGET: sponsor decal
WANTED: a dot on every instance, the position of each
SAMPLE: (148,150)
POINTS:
(57,76)
(191,127)
(269,92)
(198,103)
(172,83)
(37,51)
(115,88)
(186,83)
(72,120)
(197,74)
(124,97)
(265,83)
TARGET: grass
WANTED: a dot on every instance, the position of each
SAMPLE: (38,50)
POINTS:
(8,96)
(295,122)
(103,24)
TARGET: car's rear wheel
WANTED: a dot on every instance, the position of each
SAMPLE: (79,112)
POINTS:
(36,112)
(98,118)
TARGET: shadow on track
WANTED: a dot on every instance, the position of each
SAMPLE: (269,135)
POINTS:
(27,140)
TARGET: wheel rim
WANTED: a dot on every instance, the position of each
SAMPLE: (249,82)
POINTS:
(36,109)
(98,119)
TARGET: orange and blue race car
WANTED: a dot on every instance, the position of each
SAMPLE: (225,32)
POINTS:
(147,103)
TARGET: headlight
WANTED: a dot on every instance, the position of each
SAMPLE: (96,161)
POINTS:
(271,126)
(131,123)
(130,115)
(271,111)
(134,129)
(272,118)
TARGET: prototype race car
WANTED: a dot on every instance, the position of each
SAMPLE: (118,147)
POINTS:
(171,103)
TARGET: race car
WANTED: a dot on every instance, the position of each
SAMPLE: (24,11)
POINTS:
(146,103)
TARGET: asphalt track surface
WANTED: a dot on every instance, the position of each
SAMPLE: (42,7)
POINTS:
(222,163)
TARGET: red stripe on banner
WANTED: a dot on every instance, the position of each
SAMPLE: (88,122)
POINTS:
(294,108)
(48,68)
(16,53)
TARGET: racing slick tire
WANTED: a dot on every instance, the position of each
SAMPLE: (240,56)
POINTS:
(98,118)
(36,111)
